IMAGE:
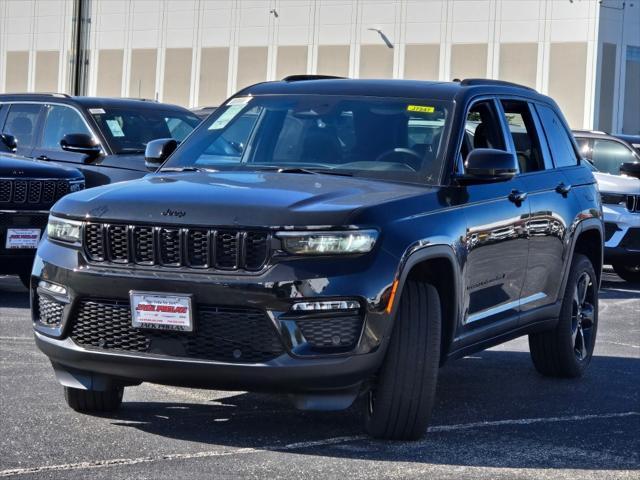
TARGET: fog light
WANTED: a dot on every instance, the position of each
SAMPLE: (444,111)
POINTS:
(327,305)
(52,287)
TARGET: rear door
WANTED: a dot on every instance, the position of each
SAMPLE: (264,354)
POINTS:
(553,204)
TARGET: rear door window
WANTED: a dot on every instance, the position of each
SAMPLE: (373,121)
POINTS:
(524,135)
(21,122)
(558,138)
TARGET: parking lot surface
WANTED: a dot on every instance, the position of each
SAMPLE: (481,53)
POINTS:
(495,417)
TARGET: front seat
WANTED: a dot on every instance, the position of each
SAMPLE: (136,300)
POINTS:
(480,138)
(321,145)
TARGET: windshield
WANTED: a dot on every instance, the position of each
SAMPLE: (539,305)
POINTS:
(129,130)
(383,138)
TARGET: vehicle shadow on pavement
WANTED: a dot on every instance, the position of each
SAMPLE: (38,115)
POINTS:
(12,293)
(491,386)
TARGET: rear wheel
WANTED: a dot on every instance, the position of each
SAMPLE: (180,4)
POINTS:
(566,350)
(399,403)
(630,273)
(93,401)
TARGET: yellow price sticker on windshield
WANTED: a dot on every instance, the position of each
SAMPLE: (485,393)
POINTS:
(420,108)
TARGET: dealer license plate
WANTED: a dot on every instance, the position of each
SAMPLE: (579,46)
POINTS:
(19,238)
(161,311)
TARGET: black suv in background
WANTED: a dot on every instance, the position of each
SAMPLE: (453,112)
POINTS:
(27,191)
(103,137)
(329,239)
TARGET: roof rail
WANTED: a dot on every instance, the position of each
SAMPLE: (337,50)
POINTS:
(470,82)
(298,78)
(29,94)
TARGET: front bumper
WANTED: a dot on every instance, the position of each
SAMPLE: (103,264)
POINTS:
(298,368)
(623,239)
(18,261)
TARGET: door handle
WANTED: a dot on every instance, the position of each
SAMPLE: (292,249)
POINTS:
(563,188)
(42,157)
(517,196)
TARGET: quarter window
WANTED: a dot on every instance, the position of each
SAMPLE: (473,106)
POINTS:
(60,122)
(21,123)
(558,138)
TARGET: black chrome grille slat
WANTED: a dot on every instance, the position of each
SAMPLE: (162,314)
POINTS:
(166,246)
(32,191)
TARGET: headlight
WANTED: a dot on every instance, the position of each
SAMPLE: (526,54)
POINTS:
(76,185)
(328,243)
(613,198)
(64,230)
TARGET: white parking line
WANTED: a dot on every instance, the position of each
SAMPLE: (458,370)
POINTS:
(293,446)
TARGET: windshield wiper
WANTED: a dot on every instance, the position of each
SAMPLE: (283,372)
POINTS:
(315,171)
(131,150)
(185,169)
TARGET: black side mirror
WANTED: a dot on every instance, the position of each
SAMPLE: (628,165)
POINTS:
(489,165)
(158,151)
(81,143)
(631,169)
(10,141)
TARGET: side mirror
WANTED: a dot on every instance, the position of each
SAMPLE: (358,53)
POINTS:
(631,169)
(10,141)
(489,165)
(81,143)
(158,151)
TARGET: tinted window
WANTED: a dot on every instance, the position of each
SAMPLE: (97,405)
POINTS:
(482,129)
(385,138)
(524,135)
(584,146)
(607,156)
(129,130)
(61,121)
(558,138)
(21,123)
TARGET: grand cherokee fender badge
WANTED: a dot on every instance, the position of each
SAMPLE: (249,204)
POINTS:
(173,213)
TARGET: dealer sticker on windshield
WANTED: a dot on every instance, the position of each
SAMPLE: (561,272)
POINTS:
(421,108)
(161,311)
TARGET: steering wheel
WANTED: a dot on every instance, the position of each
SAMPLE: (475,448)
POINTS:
(414,163)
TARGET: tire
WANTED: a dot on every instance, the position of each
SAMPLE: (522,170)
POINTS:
(93,401)
(25,278)
(566,350)
(400,402)
(629,273)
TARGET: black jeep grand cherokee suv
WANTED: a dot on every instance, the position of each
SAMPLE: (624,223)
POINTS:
(27,191)
(330,238)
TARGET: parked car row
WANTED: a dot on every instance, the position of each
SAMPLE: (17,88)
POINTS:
(53,143)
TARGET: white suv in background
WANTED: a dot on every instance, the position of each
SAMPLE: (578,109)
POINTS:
(621,206)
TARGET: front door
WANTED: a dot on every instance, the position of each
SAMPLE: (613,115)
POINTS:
(496,238)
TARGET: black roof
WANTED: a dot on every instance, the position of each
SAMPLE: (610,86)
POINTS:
(389,88)
(89,102)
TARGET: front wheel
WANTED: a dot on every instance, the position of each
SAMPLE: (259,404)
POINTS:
(629,273)
(93,401)
(566,350)
(399,403)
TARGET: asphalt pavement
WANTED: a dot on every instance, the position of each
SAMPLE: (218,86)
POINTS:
(495,418)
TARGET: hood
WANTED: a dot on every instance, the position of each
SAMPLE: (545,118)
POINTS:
(258,199)
(617,183)
(15,166)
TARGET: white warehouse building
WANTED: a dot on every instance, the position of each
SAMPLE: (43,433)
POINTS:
(584,53)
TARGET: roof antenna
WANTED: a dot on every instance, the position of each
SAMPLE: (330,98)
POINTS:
(275,13)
